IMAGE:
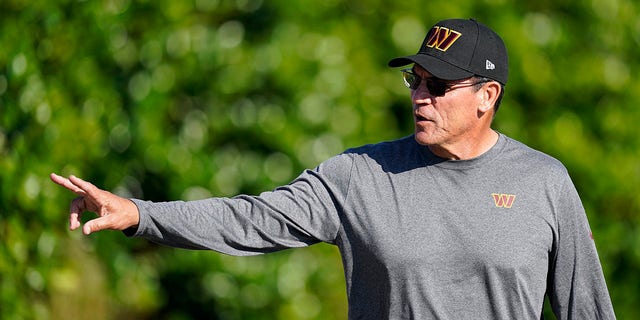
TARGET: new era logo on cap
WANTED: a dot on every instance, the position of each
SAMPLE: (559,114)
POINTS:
(490,65)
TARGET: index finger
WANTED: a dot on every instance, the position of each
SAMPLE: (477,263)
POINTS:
(64,182)
(87,187)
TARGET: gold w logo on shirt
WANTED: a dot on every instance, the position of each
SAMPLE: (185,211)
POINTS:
(503,200)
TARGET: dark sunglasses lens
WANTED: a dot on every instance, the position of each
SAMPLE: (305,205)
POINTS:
(411,80)
(436,87)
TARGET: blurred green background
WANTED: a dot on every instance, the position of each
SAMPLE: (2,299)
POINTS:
(167,100)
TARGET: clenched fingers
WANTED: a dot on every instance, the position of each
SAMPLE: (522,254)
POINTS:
(75,212)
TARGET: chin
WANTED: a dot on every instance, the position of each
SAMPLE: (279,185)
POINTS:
(430,137)
(423,138)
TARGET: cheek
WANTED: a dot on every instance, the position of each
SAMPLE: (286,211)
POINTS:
(458,117)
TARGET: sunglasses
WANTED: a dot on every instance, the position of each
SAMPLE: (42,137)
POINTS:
(436,86)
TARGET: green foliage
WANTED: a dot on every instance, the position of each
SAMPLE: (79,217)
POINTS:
(167,100)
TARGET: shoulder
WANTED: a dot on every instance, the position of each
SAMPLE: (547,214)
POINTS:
(523,156)
(391,147)
(389,156)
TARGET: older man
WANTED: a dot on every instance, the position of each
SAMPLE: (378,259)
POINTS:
(457,221)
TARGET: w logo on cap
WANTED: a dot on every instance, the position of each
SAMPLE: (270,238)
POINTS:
(442,38)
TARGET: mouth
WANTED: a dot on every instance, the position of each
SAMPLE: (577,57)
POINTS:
(420,118)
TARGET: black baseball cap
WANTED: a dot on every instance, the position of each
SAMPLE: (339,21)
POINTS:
(460,48)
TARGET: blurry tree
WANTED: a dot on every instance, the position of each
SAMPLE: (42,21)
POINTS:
(167,100)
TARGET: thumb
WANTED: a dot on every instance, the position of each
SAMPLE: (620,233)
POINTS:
(97,224)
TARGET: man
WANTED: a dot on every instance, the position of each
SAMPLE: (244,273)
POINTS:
(457,221)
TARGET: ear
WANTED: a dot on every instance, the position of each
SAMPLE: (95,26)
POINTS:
(489,94)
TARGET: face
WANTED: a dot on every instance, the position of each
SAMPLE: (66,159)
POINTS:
(446,120)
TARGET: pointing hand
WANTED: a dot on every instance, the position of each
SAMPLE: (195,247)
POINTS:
(114,212)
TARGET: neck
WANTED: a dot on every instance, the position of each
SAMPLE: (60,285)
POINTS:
(466,149)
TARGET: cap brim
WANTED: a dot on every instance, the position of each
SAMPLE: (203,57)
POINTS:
(435,66)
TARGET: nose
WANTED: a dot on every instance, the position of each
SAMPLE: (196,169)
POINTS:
(421,95)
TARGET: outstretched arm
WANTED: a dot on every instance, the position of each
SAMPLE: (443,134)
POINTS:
(114,212)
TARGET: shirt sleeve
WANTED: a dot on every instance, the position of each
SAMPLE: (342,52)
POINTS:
(299,214)
(577,288)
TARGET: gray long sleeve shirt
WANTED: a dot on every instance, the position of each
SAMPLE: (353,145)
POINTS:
(420,237)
